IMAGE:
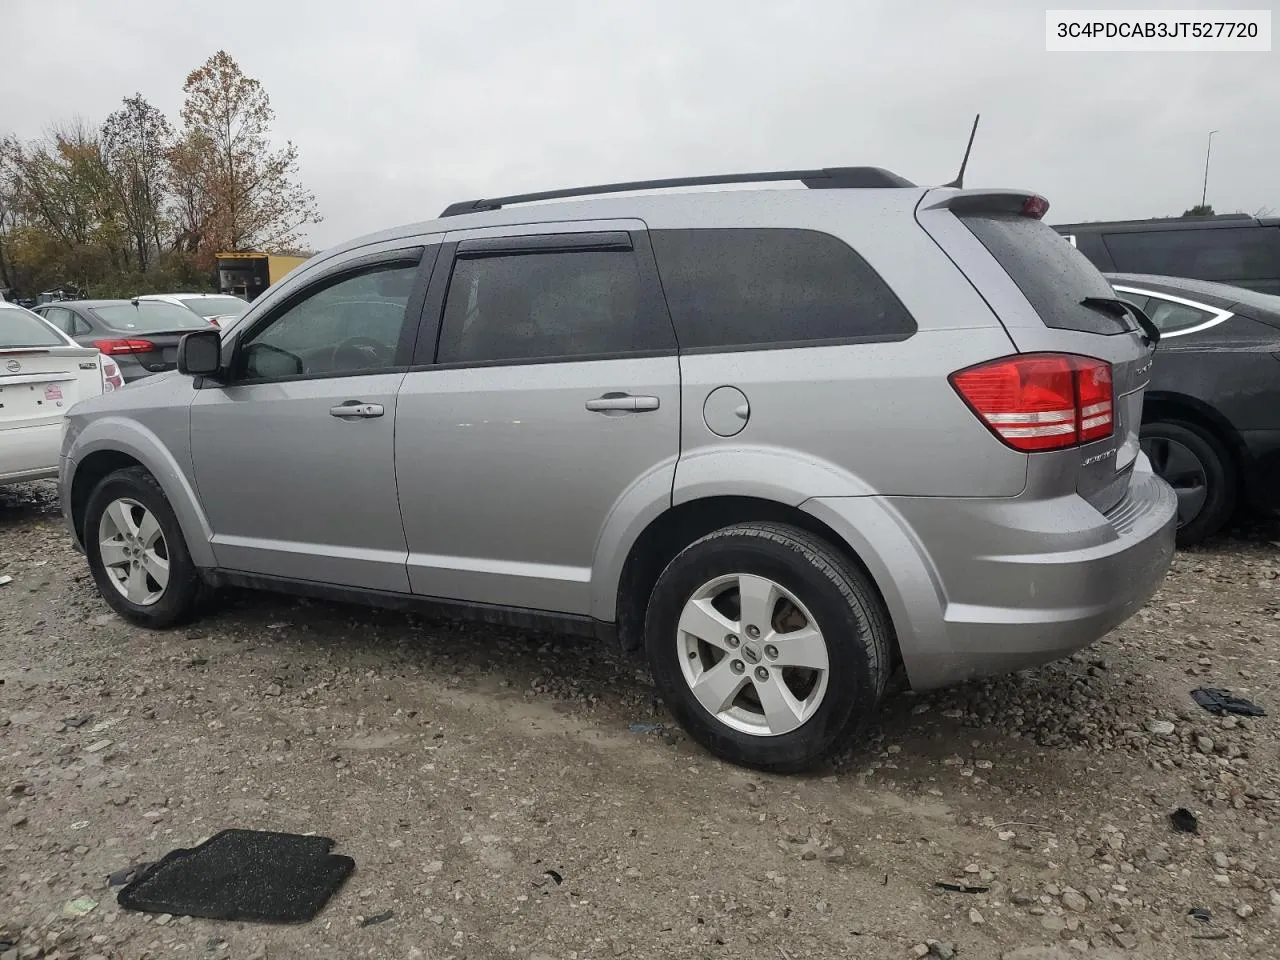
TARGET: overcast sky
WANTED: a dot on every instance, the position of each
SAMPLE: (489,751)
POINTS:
(398,108)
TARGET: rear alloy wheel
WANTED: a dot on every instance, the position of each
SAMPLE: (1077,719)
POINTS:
(136,552)
(768,645)
(752,654)
(1194,463)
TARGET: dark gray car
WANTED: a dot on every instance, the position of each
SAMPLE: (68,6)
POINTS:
(1211,423)
(140,335)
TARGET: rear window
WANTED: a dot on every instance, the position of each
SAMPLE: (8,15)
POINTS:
(752,286)
(1225,254)
(149,316)
(1053,276)
(18,328)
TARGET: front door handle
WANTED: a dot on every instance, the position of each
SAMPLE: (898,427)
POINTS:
(356,410)
(622,403)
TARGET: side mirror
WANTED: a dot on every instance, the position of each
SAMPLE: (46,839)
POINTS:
(200,353)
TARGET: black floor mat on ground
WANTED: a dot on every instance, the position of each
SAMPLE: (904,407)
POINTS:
(243,875)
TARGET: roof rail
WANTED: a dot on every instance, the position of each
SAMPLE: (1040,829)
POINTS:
(825,178)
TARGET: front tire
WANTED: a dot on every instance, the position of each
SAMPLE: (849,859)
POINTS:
(137,553)
(769,646)
(1198,467)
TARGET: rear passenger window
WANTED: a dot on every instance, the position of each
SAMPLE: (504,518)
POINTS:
(1222,254)
(750,286)
(543,306)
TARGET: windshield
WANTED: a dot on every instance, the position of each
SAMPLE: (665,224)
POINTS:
(149,316)
(18,328)
(215,306)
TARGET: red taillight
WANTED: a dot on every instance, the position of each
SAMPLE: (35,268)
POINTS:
(1035,207)
(112,378)
(117,347)
(1041,401)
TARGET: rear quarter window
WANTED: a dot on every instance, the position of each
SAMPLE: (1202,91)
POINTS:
(746,287)
(1053,276)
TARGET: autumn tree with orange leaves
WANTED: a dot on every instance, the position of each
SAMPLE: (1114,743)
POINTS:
(134,206)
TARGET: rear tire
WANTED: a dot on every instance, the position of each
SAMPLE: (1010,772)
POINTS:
(1199,468)
(811,670)
(137,553)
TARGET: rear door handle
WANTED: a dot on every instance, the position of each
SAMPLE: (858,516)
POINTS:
(356,410)
(623,403)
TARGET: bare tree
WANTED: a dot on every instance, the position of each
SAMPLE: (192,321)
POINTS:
(136,141)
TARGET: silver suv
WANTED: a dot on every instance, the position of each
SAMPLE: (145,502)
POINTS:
(785,440)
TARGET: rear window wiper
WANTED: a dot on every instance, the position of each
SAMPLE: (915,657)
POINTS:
(1122,309)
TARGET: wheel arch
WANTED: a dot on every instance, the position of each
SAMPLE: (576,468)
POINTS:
(105,446)
(675,528)
(1164,406)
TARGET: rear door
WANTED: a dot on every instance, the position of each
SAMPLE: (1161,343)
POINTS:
(553,395)
(1038,287)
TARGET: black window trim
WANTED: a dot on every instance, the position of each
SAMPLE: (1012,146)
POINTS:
(588,241)
(422,256)
(426,356)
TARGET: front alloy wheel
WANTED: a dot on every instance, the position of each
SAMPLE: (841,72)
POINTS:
(134,552)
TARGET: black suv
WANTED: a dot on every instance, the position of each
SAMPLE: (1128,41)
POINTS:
(1235,248)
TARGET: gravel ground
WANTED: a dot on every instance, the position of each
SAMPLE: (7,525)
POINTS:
(515,795)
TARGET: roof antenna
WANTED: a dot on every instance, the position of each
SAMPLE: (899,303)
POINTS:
(958,182)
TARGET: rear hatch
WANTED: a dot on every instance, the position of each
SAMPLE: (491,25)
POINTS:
(1050,299)
(146,330)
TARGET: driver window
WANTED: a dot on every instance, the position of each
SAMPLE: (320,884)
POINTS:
(350,326)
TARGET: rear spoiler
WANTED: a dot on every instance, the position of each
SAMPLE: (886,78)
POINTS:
(1019,202)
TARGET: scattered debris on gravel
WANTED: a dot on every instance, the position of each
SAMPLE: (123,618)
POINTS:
(508,794)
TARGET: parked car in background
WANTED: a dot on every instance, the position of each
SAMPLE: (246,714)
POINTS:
(783,439)
(1235,249)
(1211,422)
(217,308)
(42,373)
(140,335)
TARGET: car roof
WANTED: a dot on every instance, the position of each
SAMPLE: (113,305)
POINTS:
(728,207)
(1223,220)
(183,296)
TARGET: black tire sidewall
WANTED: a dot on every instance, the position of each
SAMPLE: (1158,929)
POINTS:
(853,687)
(182,591)
(1219,477)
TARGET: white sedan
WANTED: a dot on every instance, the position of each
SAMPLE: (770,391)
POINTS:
(218,308)
(43,373)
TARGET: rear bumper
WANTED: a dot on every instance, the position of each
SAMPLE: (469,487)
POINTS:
(29,453)
(995,586)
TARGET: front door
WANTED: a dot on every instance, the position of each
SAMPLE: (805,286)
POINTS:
(294,453)
(554,395)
